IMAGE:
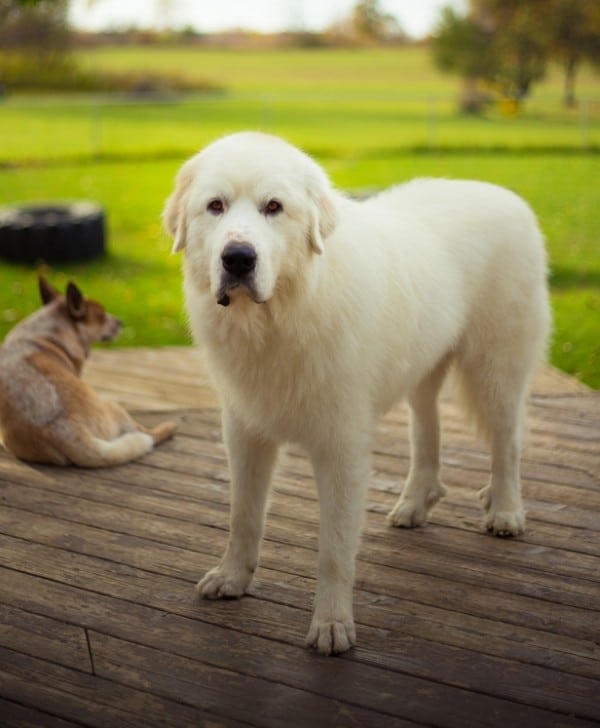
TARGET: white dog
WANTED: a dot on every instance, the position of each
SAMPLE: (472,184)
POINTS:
(331,310)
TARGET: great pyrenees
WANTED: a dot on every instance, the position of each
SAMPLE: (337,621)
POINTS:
(318,312)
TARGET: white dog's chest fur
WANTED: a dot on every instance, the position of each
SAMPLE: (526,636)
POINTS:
(283,384)
(295,377)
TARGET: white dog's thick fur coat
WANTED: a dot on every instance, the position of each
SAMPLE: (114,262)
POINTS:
(332,311)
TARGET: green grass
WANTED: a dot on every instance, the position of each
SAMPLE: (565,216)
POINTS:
(344,102)
(372,117)
(139,280)
(35,130)
(315,71)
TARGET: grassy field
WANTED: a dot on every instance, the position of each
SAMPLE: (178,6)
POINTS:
(372,117)
(361,102)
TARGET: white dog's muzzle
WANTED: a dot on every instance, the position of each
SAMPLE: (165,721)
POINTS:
(238,265)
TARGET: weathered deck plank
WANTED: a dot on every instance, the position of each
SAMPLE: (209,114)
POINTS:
(99,623)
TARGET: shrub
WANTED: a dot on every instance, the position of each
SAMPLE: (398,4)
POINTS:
(20,71)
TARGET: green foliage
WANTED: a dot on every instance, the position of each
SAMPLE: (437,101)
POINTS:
(34,38)
(36,56)
(520,41)
(370,21)
(463,46)
(36,27)
(509,43)
(575,30)
(21,71)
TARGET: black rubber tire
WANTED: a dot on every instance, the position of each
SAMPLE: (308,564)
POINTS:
(52,233)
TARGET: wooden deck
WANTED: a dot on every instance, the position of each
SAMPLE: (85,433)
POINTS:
(100,626)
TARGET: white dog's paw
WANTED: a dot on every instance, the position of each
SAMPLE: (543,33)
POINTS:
(220,583)
(407,513)
(331,636)
(502,522)
(505,523)
(412,510)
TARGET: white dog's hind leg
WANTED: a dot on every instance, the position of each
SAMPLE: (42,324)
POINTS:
(251,462)
(502,497)
(496,387)
(503,407)
(341,472)
(423,488)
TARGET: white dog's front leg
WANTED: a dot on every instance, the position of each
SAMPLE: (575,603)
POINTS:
(423,488)
(341,474)
(251,462)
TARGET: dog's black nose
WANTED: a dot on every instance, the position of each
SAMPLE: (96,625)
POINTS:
(239,259)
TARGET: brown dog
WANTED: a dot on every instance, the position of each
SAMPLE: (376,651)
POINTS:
(48,414)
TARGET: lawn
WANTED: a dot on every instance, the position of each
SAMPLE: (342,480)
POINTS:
(372,117)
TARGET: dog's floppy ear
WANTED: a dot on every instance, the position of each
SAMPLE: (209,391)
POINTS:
(75,302)
(174,214)
(324,220)
(47,291)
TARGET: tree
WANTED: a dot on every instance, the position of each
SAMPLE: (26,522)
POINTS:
(370,21)
(519,40)
(575,33)
(463,45)
(509,43)
(35,43)
(39,26)
(499,42)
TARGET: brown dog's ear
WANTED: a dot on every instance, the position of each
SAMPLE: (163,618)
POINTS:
(174,214)
(47,292)
(75,302)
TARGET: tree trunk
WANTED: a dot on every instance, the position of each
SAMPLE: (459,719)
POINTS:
(472,100)
(570,67)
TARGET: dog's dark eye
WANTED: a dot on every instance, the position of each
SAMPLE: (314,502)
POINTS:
(215,206)
(273,207)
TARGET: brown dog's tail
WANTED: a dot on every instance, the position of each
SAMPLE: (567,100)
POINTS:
(87,451)
(67,443)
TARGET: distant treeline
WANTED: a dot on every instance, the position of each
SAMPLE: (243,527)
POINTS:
(235,39)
